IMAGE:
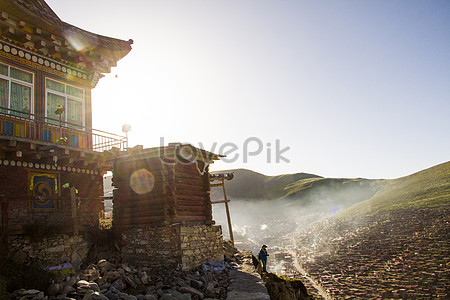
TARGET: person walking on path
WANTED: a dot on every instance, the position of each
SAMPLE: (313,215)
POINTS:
(263,257)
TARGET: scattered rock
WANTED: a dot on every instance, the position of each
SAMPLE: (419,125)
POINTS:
(119,284)
(150,297)
(197,284)
(54,289)
(191,291)
(94,286)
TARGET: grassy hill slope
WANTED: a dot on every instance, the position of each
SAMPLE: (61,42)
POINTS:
(429,188)
(394,245)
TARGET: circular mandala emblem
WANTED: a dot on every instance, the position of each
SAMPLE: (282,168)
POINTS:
(42,190)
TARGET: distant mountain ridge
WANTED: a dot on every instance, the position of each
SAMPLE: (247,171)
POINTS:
(301,188)
(251,185)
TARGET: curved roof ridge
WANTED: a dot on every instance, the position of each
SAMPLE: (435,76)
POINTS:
(41,8)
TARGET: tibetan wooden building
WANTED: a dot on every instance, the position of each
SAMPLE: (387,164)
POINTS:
(47,144)
(52,161)
(163,185)
(162,206)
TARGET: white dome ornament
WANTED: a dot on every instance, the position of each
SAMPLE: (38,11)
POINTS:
(126,128)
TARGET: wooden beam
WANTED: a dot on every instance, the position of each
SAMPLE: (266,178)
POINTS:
(25,38)
(220,201)
(56,40)
(39,44)
(9,32)
(53,49)
(4,16)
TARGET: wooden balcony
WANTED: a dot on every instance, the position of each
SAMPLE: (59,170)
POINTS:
(16,125)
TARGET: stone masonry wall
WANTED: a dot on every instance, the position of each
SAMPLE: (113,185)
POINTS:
(50,250)
(200,244)
(172,246)
(157,247)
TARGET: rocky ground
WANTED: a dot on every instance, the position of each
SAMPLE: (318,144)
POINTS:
(399,255)
(117,280)
(105,280)
(234,278)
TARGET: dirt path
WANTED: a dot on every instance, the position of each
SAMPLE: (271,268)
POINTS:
(314,283)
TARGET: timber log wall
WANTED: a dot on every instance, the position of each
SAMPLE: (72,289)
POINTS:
(162,210)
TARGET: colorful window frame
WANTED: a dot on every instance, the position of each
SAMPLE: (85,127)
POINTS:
(16,91)
(71,97)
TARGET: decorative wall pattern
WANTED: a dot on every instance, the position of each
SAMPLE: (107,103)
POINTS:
(45,64)
(42,166)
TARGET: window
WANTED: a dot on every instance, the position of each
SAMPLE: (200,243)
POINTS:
(70,97)
(16,91)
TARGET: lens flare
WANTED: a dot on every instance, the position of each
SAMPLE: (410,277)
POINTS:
(75,41)
(142,181)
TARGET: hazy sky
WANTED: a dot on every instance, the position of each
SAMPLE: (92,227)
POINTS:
(354,88)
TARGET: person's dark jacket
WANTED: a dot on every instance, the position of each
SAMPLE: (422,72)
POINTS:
(263,254)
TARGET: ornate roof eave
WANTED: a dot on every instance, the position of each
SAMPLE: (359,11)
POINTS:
(95,52)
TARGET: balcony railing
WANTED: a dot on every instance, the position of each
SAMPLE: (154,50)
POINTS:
(24,125)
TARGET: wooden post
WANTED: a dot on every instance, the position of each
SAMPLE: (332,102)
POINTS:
(230,229)
(73,202)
